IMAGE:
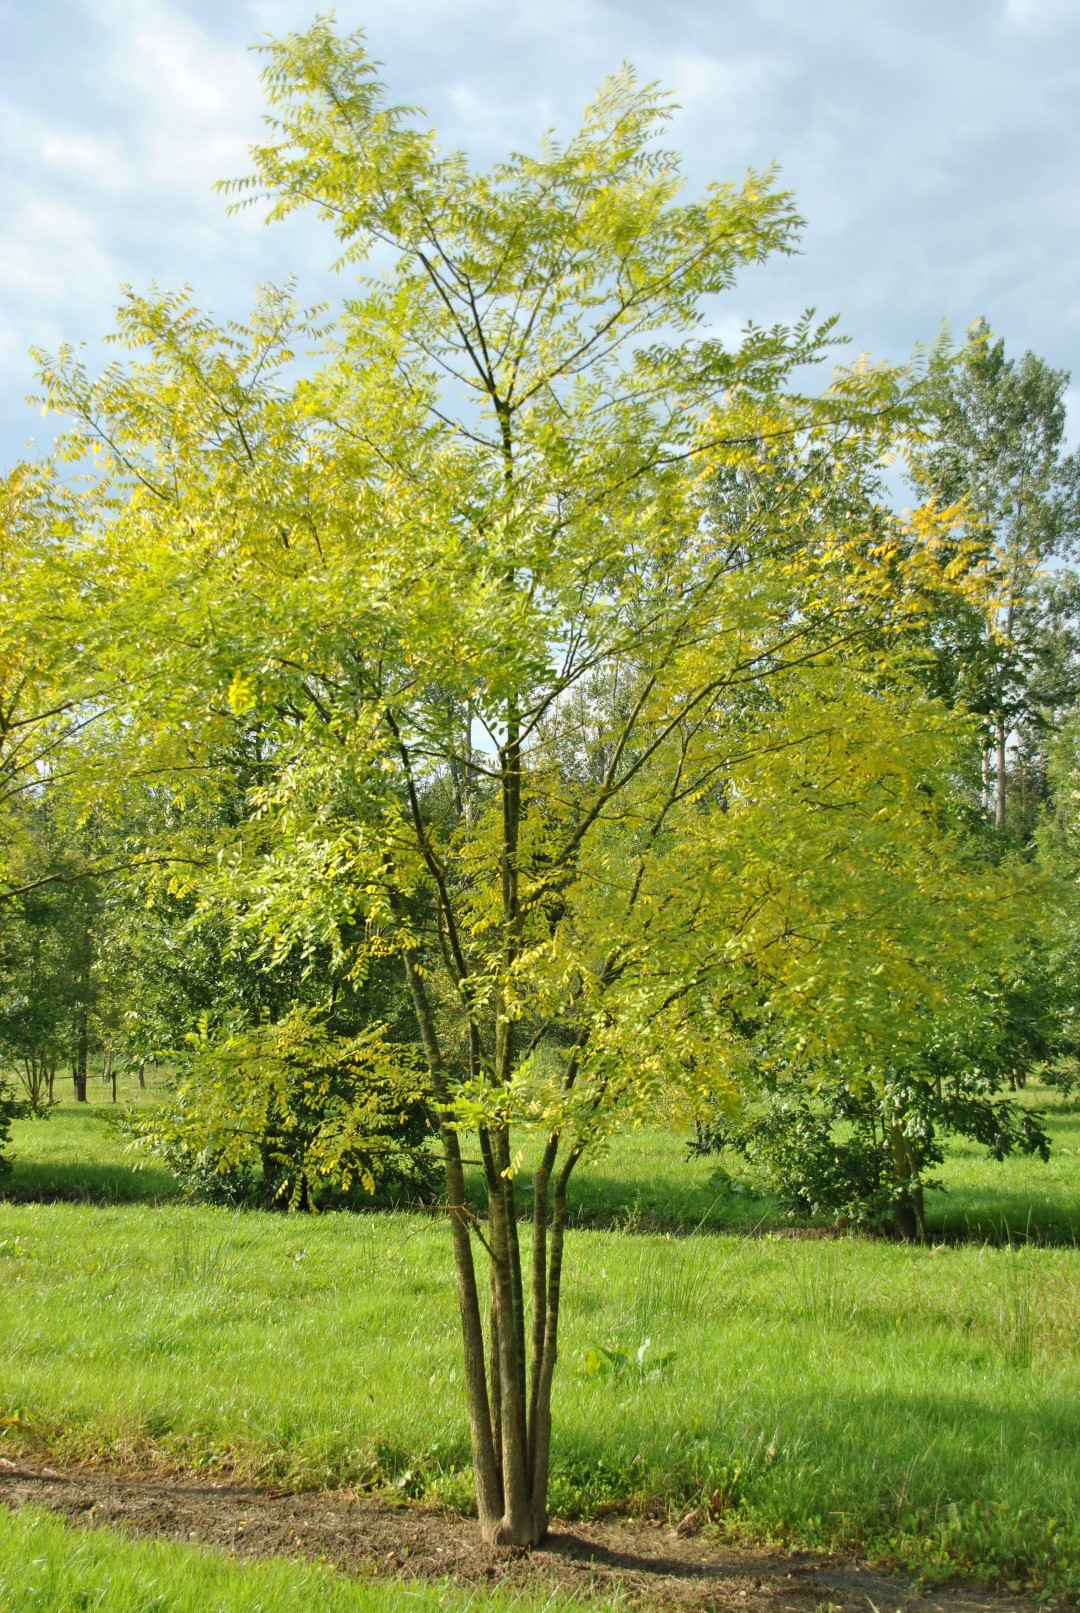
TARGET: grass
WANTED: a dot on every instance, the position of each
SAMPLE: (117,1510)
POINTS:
(922,1405)
(76,1152)
(48,1567)
(1017,1197)
(644,1181)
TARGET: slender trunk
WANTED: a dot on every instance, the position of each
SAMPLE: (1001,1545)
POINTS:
(999,769)
(515,1525)
(908,1218)
(142,1075)
(82,1064)
(541,1183)
(544,1368)
(486,1472)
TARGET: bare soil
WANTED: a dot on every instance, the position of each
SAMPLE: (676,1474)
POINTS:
(649,1563)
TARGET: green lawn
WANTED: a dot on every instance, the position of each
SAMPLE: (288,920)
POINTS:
(644,1181)
(921,1404)
(1017,1197)
(48,1567)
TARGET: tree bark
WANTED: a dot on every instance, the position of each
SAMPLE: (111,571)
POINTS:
(909,1221)
(82,1059)
(1000,737)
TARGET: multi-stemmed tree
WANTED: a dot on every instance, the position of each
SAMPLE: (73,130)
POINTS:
(621,769)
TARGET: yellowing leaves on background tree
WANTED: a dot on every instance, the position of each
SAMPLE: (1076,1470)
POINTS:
(572,645)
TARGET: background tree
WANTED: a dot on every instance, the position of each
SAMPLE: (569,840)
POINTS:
(996,440)
(45,705)
(858,1142)
(612,772)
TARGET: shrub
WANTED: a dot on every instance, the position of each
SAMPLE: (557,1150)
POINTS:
(10,1109)
(861,1155)
(287,1115)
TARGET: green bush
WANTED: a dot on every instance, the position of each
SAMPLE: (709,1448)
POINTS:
(287,1115)
(862,1155)
(10,1108)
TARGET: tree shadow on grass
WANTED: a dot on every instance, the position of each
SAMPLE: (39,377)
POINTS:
(46,1182)
(972,1216)
(75,1155)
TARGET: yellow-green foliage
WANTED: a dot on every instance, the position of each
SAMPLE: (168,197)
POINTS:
(294,1107)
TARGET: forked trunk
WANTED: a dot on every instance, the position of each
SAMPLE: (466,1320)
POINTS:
(508,1373)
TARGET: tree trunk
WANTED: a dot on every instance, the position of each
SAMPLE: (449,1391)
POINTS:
(507,1385)
(142,1075)
(908,1219)
(508,1394)
(82,1059)
(999,769)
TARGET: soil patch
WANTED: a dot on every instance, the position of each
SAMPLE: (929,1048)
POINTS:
(649,1563)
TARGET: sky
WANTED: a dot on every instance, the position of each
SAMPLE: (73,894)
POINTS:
(933,149)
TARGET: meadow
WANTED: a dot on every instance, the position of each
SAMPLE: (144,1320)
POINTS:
(918,1404)
(645,1181)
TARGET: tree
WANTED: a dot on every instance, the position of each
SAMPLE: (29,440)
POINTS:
(43,707)
(857,1143)
(996,440)
(615,773)
(48,992)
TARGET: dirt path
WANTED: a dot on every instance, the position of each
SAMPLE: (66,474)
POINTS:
(650,1563)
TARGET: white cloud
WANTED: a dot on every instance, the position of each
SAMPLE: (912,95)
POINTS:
(97,162)
(196,105)
(1040,16)
(48,245)
(932,148)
